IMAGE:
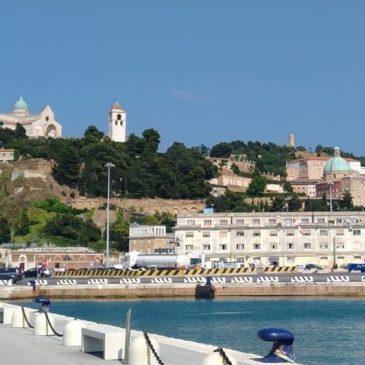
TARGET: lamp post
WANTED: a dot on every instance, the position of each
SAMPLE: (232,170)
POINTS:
(108,165)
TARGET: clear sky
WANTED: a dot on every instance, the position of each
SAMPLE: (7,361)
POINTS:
(198,71)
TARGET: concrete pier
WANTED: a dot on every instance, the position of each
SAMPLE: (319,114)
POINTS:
(21,346)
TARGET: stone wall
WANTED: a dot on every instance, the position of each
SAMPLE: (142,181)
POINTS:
(145,206)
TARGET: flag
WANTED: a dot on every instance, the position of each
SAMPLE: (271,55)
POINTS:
(296,224)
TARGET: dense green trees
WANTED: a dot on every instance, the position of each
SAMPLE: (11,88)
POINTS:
(4,230)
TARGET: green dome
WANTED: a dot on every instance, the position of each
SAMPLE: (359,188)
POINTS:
(20,104)
(336,164)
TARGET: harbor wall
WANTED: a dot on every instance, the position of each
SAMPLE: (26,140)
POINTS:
(183,290)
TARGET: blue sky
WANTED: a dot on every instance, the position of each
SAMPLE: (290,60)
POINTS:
(198,71)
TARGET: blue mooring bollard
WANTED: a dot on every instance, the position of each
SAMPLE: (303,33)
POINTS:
(282,350)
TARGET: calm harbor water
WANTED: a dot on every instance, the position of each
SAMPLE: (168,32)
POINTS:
(327,331)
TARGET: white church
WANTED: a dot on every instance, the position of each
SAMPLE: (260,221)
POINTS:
(43,124)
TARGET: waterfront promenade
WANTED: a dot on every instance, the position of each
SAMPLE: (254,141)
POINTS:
(20,345)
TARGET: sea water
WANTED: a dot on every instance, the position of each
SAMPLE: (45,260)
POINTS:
(327,331)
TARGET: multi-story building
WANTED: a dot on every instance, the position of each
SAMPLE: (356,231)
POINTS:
(280,238)
(150,239)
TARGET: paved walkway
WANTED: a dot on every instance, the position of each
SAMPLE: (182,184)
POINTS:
(20,346)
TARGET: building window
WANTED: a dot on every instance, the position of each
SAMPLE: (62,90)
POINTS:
(256,233)
(273,233)
(339,232)
(274,246)
(290,260)
(323,232)
(256,246)
(356,232)
(321,220)
(323,258)
(357,257)
(323,246)
(189,247)
(256,222)
(223,247)
(290,233)
(240,221)
(290,246)
(191,222)
(304,220)
(207,222)
(223,222)
(206,247)
(189,234)
(306,232)
(307,246)
(206,234)
(240,233)
(240,247)
(272,221)
(222,234)
(288,221)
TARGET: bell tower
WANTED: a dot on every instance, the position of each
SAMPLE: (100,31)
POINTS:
(117,123)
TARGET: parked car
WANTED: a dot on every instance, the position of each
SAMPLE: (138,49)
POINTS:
(35,272)
(313,267)
(12,274)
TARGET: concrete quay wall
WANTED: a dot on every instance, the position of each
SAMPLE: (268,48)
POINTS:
(183,290)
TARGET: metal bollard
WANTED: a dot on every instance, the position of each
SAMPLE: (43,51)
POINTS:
(141,354)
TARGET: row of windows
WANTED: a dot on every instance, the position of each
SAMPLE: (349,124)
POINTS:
(273,246)
(274,221)
(288,233)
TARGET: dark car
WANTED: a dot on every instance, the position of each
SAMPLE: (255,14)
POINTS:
(313,267)
(11,274)
(34,272)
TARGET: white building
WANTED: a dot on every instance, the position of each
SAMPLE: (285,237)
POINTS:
(149,239)
(282,238)
(7,154)
(117,123)
(35,125)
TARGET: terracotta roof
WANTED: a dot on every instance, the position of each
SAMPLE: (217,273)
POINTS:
(117,106)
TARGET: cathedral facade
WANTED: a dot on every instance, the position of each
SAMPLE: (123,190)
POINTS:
(43,124)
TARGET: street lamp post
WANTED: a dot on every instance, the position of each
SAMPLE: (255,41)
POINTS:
(108,165)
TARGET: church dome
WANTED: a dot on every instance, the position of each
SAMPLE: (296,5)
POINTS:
(336,164)
(20,106)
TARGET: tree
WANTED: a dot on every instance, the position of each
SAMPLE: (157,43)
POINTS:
(294,204)
(119,233)
(20,131)
(257,185)
(346,201)
(152,138)
(67,168)
(222,150)
(23,224)
(4,230)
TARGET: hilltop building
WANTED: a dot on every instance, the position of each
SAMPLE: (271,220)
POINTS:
(117,123)
(339,177)
(43,124)
(291,140)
